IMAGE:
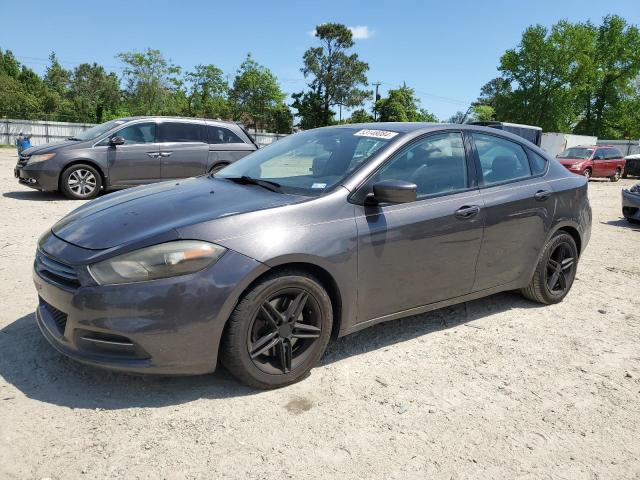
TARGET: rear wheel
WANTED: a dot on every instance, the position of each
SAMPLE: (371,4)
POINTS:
(278,331)
(587,173)
(80,182)
(555,271)
(616,176)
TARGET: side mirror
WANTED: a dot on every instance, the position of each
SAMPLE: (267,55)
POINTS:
(116,141)
(393,191)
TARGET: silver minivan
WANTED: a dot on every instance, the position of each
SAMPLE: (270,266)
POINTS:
(133,151)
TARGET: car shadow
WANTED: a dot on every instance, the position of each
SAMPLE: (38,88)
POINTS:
(34,195)
(38,371)
(622,222)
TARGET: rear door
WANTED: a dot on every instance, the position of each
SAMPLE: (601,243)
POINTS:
(226,145)
(137,160)
(518,209)
(183,149)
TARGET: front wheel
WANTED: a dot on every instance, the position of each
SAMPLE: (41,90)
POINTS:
(216,168)
(555,271)
(80,182)
(278,331)
(616,176)
(587,173)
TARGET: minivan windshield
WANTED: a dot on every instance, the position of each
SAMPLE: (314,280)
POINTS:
(309,163)
(576,152)
(97,130)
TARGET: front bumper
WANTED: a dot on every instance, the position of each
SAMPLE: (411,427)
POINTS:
(631,205)
(36,177)
(168,326)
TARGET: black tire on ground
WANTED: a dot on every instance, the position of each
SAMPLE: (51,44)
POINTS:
(624,175)
(80,182)
(303,335)
(217,167)
(616,176)
(587,173)
(538,289)
(633,221)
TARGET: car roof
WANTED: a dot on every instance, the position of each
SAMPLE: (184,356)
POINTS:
(165,117)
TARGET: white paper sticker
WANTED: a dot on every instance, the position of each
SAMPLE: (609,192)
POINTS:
(319,185)
(376,133)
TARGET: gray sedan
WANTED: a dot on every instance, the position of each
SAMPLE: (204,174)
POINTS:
(132,151)
(319,235)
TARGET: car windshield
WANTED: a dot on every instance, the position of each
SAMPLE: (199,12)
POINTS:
(97,130)
(576,152)
(312,162)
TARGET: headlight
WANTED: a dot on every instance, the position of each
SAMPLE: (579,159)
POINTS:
(159,261)
(576,165)
(41,158)
(635,188)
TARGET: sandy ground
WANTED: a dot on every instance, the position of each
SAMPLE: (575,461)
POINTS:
(495,388)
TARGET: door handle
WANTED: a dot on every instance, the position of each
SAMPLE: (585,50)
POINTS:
(165,154)
(153,154)
(542,195)
(467,211)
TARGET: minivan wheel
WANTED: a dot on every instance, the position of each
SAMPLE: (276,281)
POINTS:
(80,182)
(555,271)
(616,176)
(587,173)
(278,331)
(216,168)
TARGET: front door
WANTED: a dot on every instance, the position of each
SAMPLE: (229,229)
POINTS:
(600,167)
(421,252)
(184,149)
(136,161)
(518,207)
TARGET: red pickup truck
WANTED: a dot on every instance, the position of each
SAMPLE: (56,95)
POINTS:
(594,161)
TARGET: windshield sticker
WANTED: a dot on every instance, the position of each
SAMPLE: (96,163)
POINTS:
(376,133)
(319,185)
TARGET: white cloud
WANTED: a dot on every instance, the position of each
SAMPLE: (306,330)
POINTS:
(360,32)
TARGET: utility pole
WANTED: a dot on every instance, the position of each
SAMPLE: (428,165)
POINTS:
(375,100)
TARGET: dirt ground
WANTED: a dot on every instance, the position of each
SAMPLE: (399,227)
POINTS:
(495,388)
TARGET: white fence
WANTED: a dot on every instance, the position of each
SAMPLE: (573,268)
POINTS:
(45,132)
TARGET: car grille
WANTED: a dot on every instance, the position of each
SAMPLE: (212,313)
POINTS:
(60,318)
(56,271)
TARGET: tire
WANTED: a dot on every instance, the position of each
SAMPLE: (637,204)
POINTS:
(550,263)
(217,167)
(80,182)
(616,176)
(268,350)
(625,175)
(633,221)
(587,173)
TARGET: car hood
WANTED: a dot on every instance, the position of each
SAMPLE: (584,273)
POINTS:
(48,147)
(571,161)
(133,215)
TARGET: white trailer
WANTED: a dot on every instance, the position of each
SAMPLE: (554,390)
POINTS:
(554,143)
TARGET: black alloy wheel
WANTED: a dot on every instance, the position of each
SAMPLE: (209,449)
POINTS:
(278,331)
(555,271)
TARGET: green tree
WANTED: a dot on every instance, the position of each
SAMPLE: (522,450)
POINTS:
(334,75)
(483,113)
(150,82)
(255,94)
(609,69)
(360,116)
(207,92)
(56,77)
(94,92)
(309,110)
(401,105)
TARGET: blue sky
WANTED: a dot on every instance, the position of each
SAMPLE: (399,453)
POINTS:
(445,50)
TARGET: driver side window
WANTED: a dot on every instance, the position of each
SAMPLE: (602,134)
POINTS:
(436,164)
(138,133)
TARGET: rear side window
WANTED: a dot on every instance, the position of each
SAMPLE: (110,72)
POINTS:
(219,135)
(182,132)
(538,163)
(501,160)
(613,153)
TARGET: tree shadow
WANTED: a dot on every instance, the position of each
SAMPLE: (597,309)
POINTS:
(31,365)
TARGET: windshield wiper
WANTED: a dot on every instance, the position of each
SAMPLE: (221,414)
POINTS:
(246,180)
(75,139)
